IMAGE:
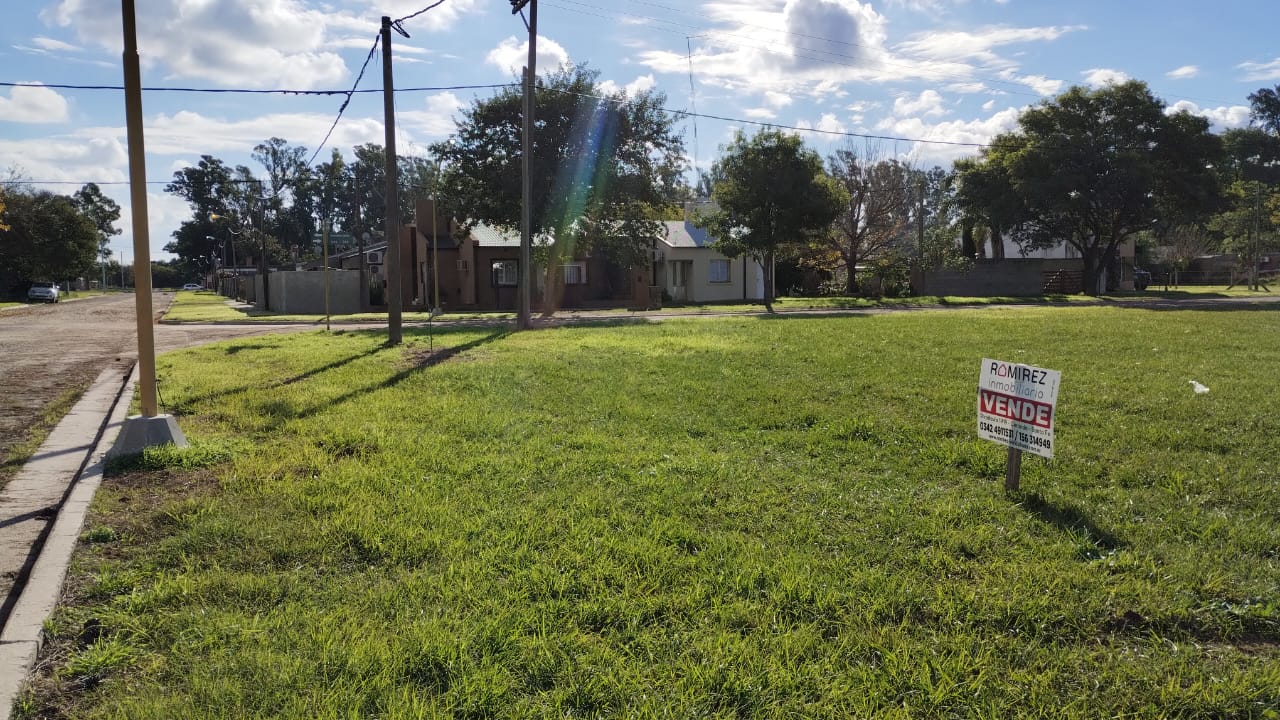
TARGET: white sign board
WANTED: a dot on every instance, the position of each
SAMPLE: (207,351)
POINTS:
(1016,405)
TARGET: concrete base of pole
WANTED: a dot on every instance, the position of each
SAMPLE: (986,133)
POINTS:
(140,433)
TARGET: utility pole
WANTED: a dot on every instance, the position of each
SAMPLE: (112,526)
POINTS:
(393,201)
(524,316)
(138,206)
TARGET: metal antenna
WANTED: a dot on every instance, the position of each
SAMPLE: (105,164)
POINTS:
(693,105)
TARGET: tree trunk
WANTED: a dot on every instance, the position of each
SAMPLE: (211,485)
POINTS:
(997,243)
(1089,278)
(768,282)
(851,279)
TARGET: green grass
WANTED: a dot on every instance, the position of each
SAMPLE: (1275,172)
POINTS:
(4,305)
(744,517)
(208,306)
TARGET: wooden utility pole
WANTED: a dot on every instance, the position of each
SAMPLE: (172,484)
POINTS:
(138,207)
(524,316)
(392,264)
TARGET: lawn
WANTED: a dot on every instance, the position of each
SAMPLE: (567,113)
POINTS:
(208,306)
(733,517)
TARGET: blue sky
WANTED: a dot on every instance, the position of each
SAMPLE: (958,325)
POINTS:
(937,70)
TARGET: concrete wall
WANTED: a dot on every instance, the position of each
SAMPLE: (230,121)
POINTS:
(301,292)
(1015,277)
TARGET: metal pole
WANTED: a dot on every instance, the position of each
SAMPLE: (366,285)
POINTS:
(435,256)
(393,200)
(523,316)
(138,206)
(326,274)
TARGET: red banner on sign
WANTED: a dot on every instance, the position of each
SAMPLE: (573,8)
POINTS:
(1015,408)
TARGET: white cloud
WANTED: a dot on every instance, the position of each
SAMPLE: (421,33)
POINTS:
(828,123)
(966,135)
(760,113)
(776,99)
(33,104)
(1260,72)
(1223,117)
(977,46)
(66,159)
(988,105)
(176,134)
(1104,76)
(252,43)
(512,54)
(45,43)
(1183,73)
(792,43)
(928,102)
(1041,84)
(437,120)
(633,88)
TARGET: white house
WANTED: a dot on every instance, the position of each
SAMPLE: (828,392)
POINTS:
(689,268)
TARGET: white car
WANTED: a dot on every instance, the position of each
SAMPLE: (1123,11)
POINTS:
(192,286)
(44,292)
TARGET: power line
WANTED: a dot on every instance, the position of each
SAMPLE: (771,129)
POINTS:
(343,108)
(411,16)
(252,91)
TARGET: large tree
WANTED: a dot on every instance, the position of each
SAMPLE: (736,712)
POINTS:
(770,192)
(47,237)
(103,212)
(877,213)
(602,162)
(1093,167)
(1265,109)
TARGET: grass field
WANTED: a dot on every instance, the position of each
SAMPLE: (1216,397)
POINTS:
(743,517)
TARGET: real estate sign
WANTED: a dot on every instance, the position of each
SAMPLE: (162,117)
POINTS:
(1016,405)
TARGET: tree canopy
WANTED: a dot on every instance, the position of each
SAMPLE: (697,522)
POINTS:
(770,192)
(603,162)
(1091,168)
(46,237)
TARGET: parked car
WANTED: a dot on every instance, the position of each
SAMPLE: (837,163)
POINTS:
(44,292)
(192,286)
(1141,279)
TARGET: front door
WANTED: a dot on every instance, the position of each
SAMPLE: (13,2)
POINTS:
(681,277)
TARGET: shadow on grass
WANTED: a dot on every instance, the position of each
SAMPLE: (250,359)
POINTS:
(1070,519)
(183,406)
(422,360)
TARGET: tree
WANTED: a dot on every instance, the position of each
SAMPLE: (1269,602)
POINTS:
(1265,109)
(771,192)
(47,237)
(602,162)
(1093,167)
(876,215)
(1248,225)
(102,211)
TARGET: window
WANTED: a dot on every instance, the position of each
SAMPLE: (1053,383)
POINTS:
(719,271)
(506,273)
(574,273)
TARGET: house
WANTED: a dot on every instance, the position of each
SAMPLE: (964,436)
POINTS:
(689,269)
(1058,269)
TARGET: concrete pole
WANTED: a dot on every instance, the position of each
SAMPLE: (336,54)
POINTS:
(138,208)
(393,200)
(524,316)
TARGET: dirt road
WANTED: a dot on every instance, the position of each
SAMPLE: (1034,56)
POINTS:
(50,353)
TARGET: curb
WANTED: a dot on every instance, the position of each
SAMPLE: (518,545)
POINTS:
(24,630)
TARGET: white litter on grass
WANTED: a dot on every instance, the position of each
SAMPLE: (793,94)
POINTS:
(1200,389)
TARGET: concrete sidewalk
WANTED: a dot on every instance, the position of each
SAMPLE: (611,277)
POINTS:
(42,511)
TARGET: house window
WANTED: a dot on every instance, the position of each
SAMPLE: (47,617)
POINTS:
(574,273)
(506,273)
(719,271)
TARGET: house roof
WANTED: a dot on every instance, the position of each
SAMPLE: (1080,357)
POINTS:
(490,236)
(684,234)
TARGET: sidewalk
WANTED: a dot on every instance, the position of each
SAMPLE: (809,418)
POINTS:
(42,511)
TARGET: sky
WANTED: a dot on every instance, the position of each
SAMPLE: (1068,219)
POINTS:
(940,77)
